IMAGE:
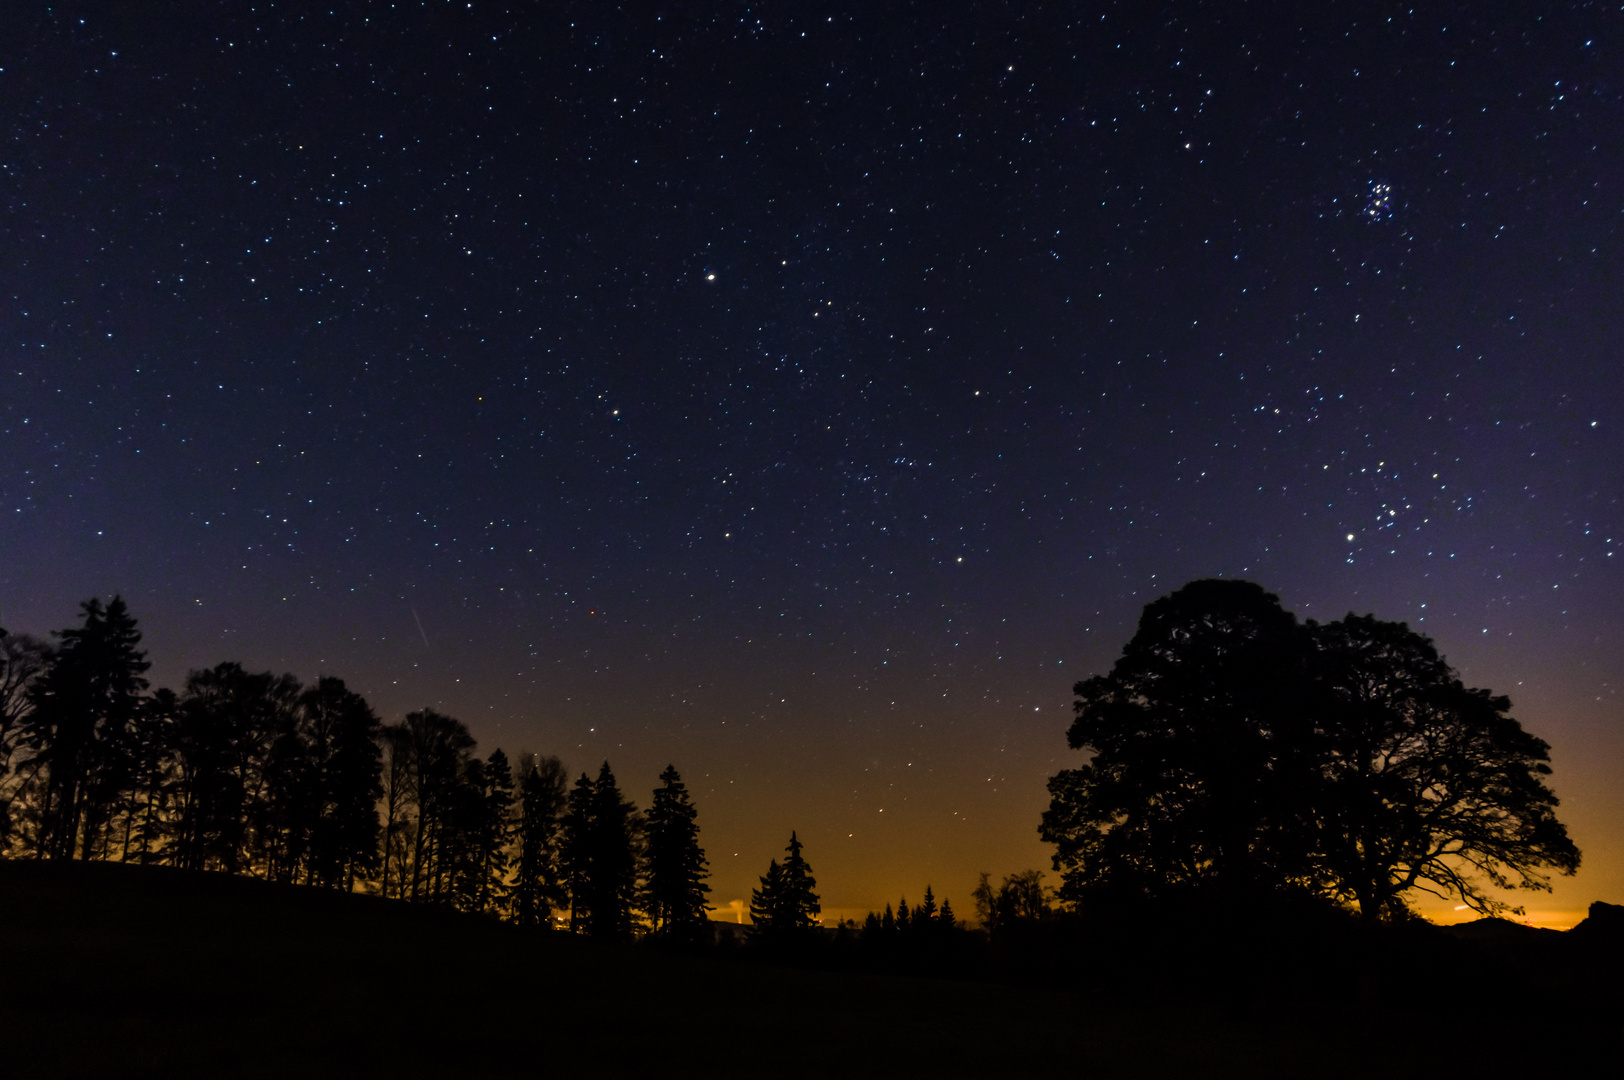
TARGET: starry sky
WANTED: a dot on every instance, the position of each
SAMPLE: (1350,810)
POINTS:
(809,395)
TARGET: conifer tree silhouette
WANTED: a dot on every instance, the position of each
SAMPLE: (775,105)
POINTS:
(927,907)
(494,829)
(674,895)
(601,833)
(536,885)
(786,905)
(575,852)
(798,902)
(764,901)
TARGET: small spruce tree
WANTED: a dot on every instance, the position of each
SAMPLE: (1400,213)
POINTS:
(797,900)
(764,901)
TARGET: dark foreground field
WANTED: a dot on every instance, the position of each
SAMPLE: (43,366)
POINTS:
(121,971)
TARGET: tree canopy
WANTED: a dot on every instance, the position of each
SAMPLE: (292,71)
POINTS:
(1428,785)
(1239,750)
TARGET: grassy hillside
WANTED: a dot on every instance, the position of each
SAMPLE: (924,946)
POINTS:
(123,971)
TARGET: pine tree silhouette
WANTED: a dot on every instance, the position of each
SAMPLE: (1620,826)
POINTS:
(786,905)
(536,885)
(674,895)
(798,902)
(575,852)
(764,901)
(602,830)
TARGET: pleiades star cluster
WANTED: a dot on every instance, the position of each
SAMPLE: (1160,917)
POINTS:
(808,395)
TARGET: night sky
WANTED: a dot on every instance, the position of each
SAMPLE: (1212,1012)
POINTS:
(808,396)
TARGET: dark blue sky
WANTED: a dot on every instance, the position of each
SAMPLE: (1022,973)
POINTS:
(809,396)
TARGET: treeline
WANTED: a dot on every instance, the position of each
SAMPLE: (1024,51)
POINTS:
(258,774)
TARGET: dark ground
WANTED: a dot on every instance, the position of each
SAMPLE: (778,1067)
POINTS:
(123,971)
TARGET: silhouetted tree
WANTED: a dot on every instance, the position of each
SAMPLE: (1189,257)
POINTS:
(1426,781)
(287,809)
(227,812)
(927,907)
(437,747)
(78,725)
(798,902)
(786,905)
(1202,755)
(616,831)
(494,829)
(460,849)
(575,852)
(341,741)
(674,896)
(537,888)
(1021,899)
(1236,749)
(601,833)
(151,811)
(765,902)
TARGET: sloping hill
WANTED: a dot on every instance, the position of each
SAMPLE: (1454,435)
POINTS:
(125,971)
